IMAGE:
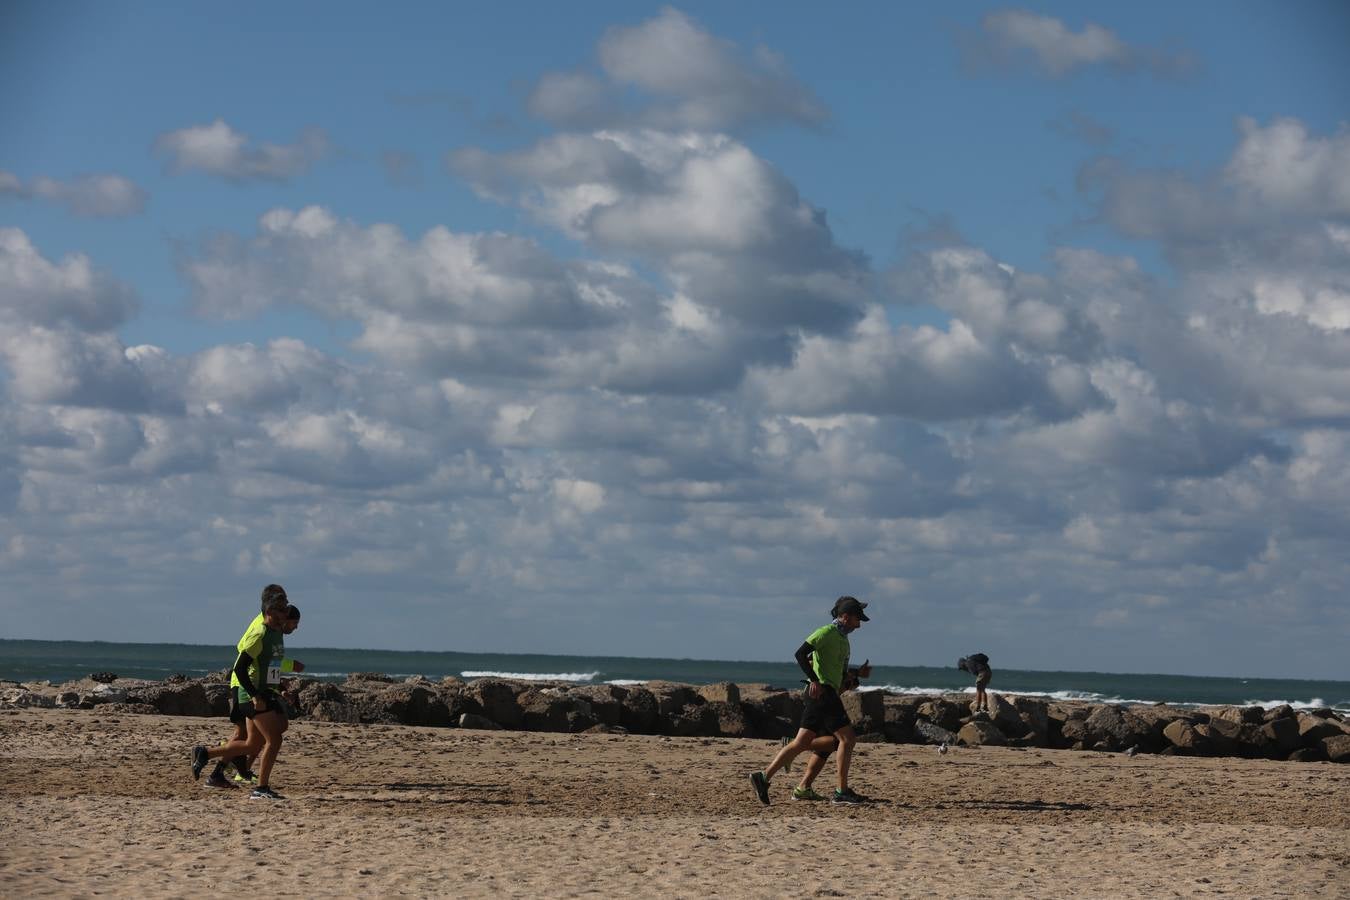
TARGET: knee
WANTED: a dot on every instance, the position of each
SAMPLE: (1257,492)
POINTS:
(847,740)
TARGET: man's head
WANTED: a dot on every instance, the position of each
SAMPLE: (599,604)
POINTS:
(292,619)
(274,595)
(850,610)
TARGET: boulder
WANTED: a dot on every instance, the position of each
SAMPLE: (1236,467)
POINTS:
(497,699)
(550,709)
(106,693)
(1035,716)
(639,713)
(672,698)
(981,732)
(777,702)
(24,698)
(182,699)
(1283,711)
(1307,754)
(694,720)
(1182,735)
(943,713)
(606,701)
(1312,729)
(370,676)
(929,733)
(1337,748)
(414,703)
(330,711)
(1223,736)
(1283,733)
(722,692)
(866,709)
(1117,728)
(103,677)
(898,719)
(482,723)
(731,719)
(1242,715)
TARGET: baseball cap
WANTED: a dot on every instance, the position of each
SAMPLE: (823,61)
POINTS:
(851,605)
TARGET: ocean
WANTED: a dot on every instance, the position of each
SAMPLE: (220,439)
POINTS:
(57,661)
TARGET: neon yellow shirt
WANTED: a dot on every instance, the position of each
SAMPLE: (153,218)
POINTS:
(829,656)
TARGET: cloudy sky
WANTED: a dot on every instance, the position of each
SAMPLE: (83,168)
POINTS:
(649,330)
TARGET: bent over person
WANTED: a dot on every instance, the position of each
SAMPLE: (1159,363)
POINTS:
(977,664)
(825,725)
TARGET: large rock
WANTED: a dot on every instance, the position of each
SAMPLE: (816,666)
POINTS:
(672,698)
(1182,735)
(1312,729)
(1337,748)
(1115,728)
(1242,715)
(497,699)
(982,732)
(694,720)
(482,723)
(183,699)
(898,718)
(929,733)
(23,698)
(550,709)
(639,713)
(722,692)
(1035,716)
(731,719)
(606,701)
(943,713)
(413,703)
(866,709)
(1283,733)
(1283,711)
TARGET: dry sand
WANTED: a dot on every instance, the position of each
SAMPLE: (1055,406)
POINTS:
(98,803)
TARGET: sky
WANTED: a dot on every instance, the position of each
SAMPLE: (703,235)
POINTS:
(644,330)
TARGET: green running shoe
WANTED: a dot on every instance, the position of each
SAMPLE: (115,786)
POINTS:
(801,793)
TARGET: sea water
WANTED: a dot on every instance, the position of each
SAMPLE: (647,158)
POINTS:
(57,661)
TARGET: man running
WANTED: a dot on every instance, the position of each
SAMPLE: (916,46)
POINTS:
(243,765)
(257,674)
(825,724)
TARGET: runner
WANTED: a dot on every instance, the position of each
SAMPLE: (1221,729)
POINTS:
(825,725)
(243,765)
(257,672)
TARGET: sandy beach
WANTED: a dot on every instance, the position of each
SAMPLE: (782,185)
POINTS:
(100,803)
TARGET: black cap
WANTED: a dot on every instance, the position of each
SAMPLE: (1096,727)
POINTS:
(851,605)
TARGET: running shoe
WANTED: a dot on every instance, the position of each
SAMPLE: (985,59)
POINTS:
(761,786)
(265,793)
(847,795)
(245,777)
(218,780)
(199,760)
(801,793)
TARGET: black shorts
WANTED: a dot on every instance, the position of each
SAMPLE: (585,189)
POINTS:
(983,677)
(824,714)
(241,711)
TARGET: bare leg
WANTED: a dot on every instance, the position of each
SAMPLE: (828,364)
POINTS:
(271,725)
(821,748)
(800,744)
(847,738)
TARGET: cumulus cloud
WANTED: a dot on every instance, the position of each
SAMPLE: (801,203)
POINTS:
(217,149)
(686,77)
(92,196)
(1013,37)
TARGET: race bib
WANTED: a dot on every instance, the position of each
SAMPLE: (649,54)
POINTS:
(274,673)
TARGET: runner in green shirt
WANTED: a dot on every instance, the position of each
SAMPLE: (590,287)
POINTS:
(825,724)
(257,674)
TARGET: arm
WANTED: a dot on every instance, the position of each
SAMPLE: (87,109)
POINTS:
(241,672)
(803,656)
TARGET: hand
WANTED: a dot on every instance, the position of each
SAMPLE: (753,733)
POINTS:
(813,690)
(259,704)
(865,670)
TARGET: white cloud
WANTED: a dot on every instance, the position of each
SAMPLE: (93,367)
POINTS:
(37,291)
(686,77)
(1016,36)
(92,196)
(217,149)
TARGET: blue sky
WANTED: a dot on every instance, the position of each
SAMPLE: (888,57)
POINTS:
(647,329)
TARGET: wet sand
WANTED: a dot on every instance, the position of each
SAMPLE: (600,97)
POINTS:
(100,803)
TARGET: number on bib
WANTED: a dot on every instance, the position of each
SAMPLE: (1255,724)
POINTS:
(274,673)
